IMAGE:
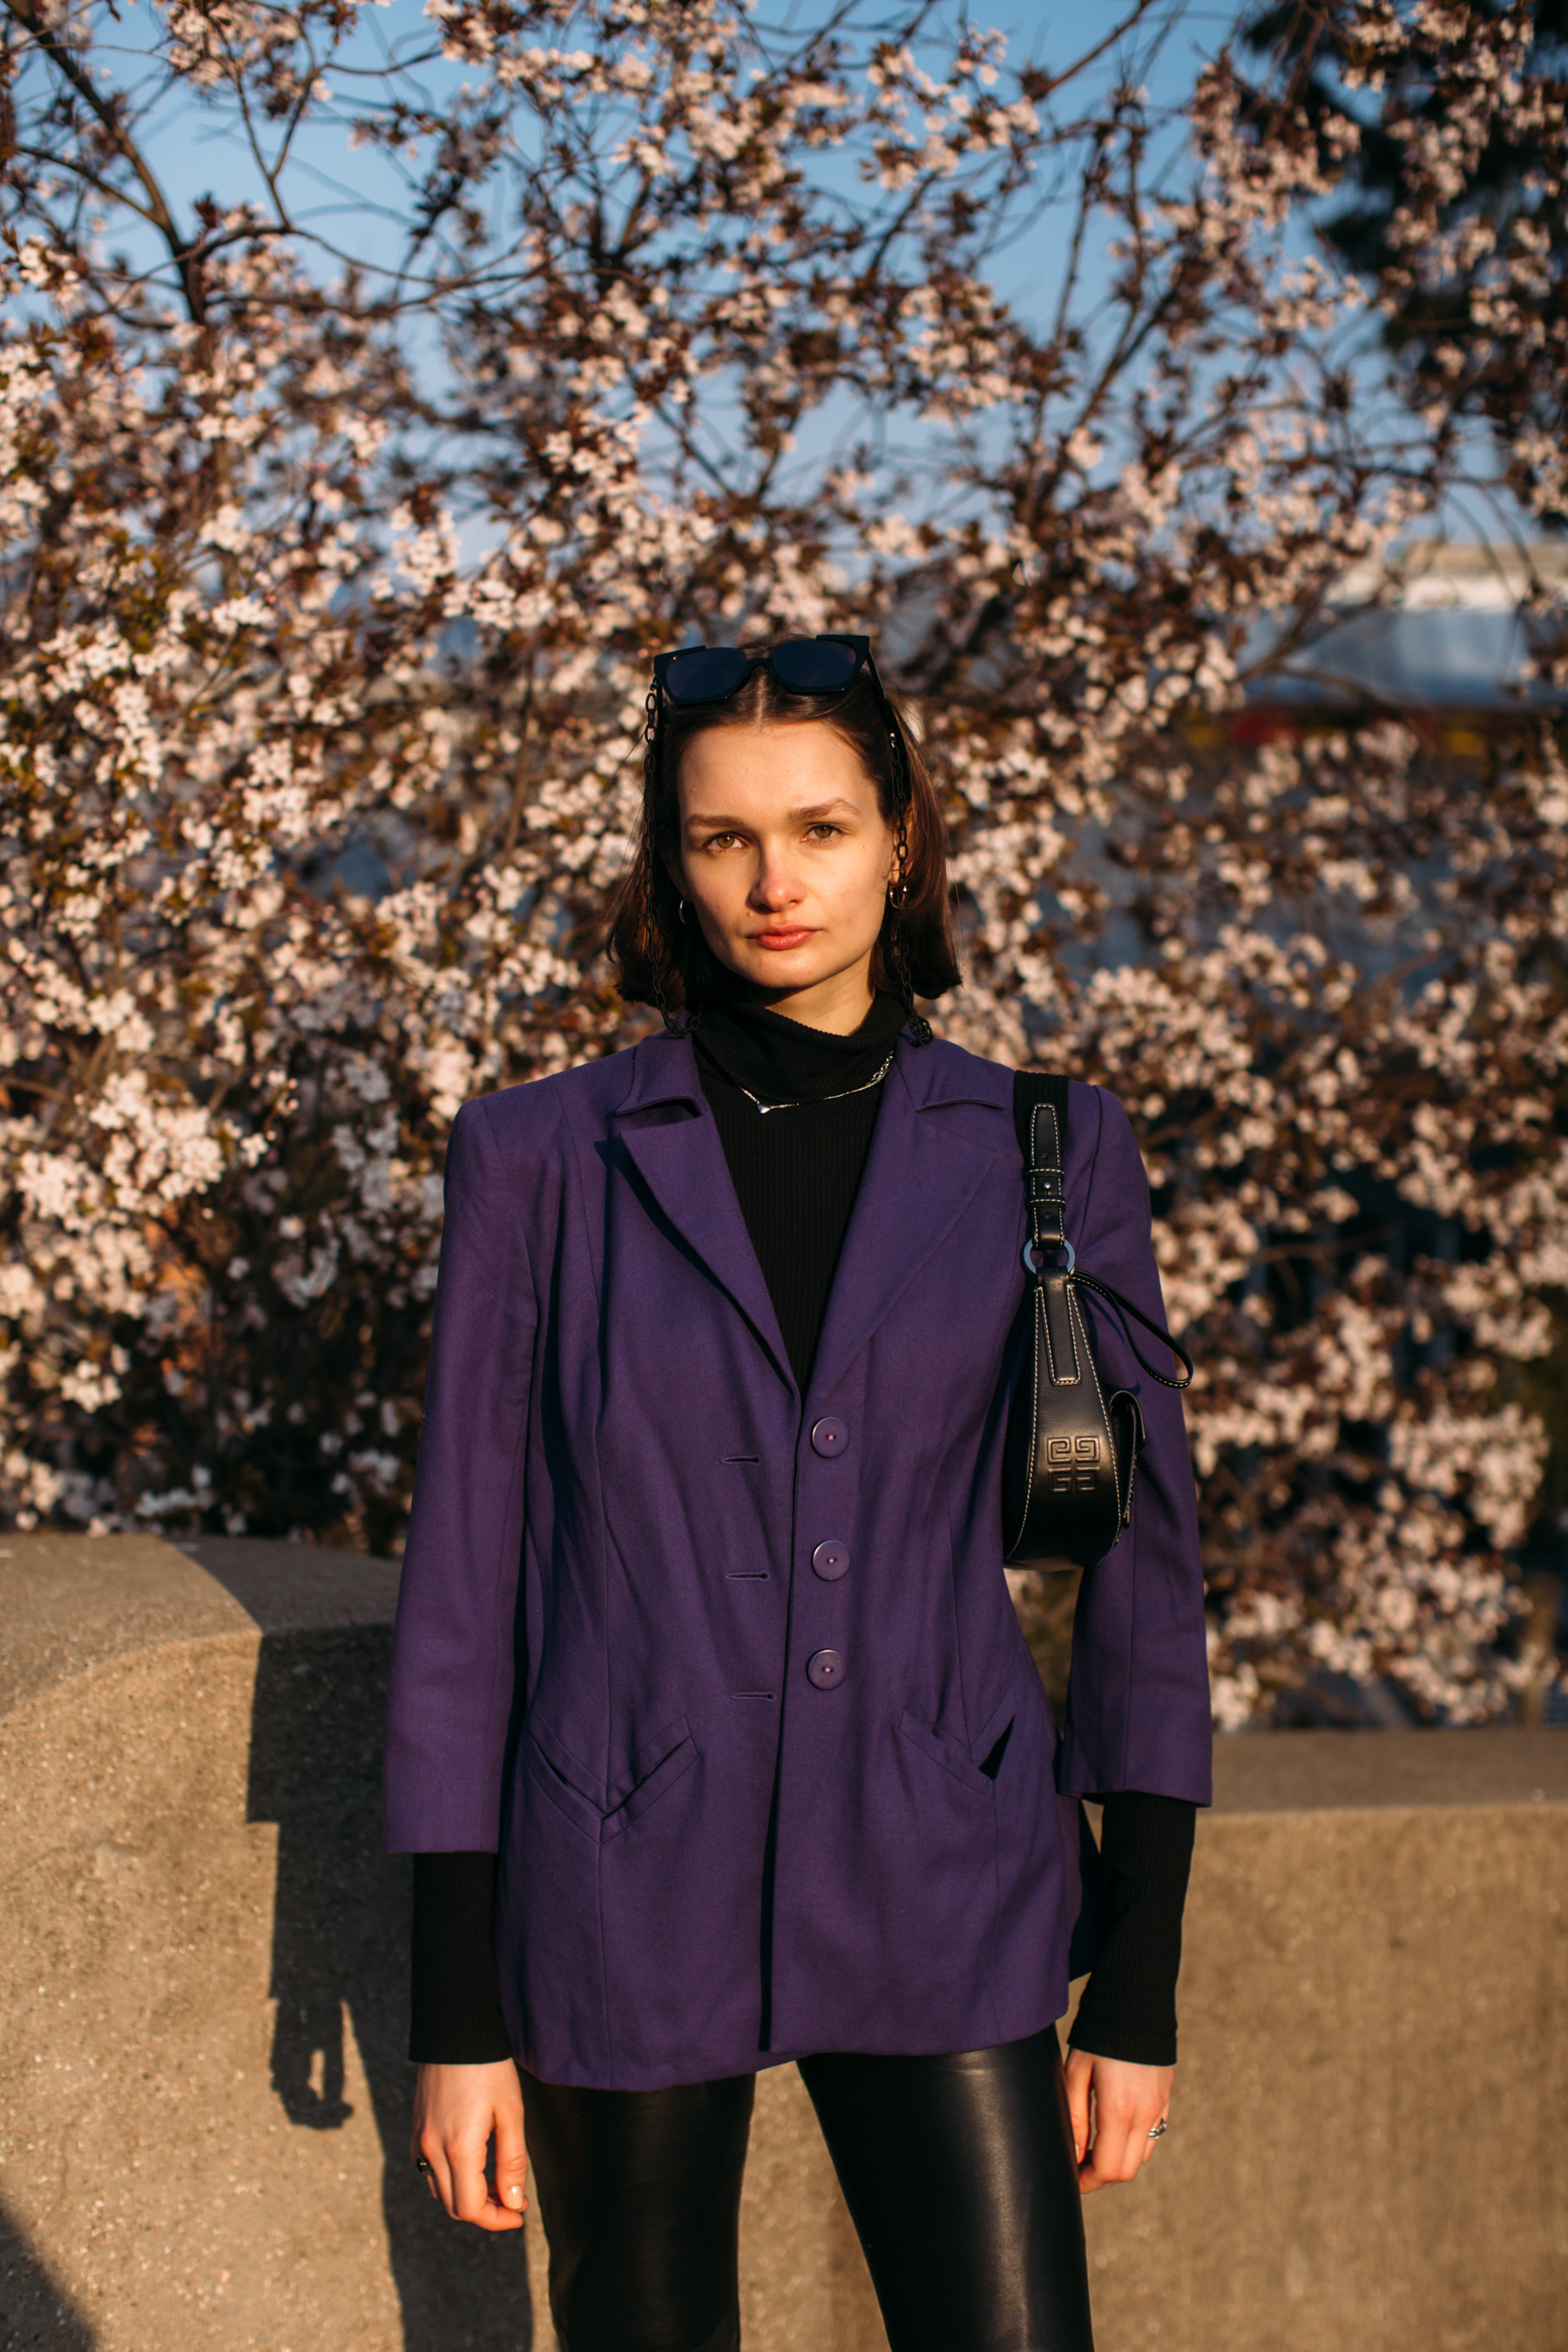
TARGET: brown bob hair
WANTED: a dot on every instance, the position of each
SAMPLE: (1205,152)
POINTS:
(661,960)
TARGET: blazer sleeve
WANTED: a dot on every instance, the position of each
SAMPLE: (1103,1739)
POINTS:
(1138,1712)
(454,1646)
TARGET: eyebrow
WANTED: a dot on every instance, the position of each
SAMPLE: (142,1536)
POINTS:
(794,816)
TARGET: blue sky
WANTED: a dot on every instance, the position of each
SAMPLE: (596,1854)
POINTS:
(352,197)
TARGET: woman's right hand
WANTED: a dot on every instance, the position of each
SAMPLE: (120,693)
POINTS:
(456,2109)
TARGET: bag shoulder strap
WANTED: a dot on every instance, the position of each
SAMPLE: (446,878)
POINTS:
(1040,1116)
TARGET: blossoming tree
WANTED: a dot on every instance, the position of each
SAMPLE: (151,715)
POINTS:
(331,577)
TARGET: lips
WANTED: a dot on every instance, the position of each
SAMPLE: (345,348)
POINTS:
(780,940)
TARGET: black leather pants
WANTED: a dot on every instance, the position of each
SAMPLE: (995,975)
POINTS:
(958,2172)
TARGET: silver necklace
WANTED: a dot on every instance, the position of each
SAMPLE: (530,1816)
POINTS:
(843,1096)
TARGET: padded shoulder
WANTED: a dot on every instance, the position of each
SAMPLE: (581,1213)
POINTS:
(942,1072)
(519,1116)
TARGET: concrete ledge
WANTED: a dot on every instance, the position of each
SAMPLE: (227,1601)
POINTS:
(204,2101)
(1367,2152)
(203,2098)
(1334,1771)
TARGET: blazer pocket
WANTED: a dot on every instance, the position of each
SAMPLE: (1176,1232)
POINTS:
(578,1795)
(552,1785)
(657,1779)
(950,1754)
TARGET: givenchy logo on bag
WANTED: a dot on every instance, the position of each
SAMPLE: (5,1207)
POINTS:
(1072,1464)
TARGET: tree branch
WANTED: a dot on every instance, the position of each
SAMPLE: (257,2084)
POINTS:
(182,250)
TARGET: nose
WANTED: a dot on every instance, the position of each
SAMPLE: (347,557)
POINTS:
(775,886)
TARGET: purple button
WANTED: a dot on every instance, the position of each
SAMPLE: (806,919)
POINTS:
(830,1559)
(830,1437)
(824,1669)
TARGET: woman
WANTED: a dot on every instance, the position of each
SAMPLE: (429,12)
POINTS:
(711,1727)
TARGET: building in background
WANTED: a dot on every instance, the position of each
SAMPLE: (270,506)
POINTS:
(1446,635)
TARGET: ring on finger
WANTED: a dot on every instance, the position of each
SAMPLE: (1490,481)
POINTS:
(1158,2132)
(422,2164)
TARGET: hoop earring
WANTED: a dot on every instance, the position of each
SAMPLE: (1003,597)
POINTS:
(680,909)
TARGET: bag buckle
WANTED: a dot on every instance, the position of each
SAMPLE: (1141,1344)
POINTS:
(1029,1266)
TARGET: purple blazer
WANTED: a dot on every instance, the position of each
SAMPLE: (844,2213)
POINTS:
(714,1666)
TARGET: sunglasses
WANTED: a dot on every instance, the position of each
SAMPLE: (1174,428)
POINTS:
(701,674)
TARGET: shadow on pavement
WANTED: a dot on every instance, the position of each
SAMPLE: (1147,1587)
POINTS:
(35,2316)
(340,1945)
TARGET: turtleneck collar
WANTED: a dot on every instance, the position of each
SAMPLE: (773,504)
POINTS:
(780,1060)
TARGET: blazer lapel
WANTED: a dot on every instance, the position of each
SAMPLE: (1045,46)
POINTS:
(918,1181)
(670,1134)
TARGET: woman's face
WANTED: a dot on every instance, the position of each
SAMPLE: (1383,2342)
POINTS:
(785,858)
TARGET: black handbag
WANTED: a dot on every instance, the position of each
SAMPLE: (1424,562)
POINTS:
(1072,1451)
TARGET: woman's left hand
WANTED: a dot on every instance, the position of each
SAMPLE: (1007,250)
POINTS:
(1127,2102)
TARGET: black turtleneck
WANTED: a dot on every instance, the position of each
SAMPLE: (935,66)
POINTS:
(795,1109)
